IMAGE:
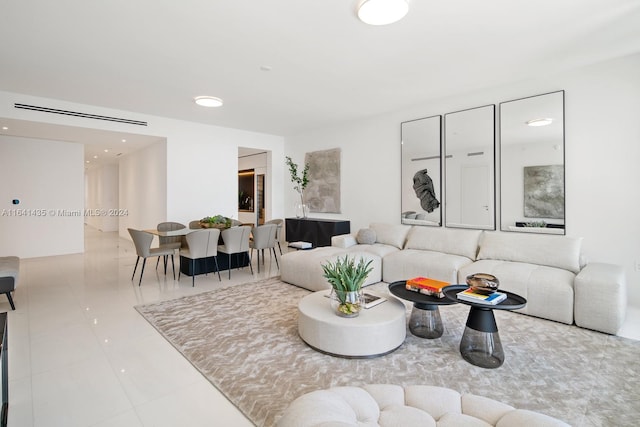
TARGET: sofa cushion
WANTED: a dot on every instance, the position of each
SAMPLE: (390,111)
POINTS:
(548,290)
(394,235)
(366,236)
(409,263)
(553,251)
(304,268)
(449,241)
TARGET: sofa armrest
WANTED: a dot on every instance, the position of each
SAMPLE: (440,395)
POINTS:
(600,297)
(343,241)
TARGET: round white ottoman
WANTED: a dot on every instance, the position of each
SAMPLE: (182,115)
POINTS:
(376,331)
(388,405)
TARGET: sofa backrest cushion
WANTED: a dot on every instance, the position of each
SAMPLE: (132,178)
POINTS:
(389,234)
(447,240)
(553,251)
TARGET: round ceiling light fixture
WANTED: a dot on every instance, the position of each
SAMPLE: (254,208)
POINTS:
(539,122)
(208,101)
(382,12)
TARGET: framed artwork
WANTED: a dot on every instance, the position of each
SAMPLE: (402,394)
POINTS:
(544,191)
(323,191)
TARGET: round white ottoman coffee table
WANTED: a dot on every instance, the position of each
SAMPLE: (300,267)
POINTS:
(375,332)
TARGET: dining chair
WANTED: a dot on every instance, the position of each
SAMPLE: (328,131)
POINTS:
(236,241)
(279,222)
(235,223)
(201,244)
(142,241)
(173,242)
(195,225)
(264,237)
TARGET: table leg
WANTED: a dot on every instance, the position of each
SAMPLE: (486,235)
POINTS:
(480,344)
(425,321)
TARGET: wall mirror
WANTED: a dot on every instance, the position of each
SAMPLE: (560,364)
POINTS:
(421,167)
(470,168)
(532,196)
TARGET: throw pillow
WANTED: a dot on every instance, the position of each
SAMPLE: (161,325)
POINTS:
(366,236)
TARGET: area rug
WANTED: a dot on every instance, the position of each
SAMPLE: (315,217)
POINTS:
(244,340)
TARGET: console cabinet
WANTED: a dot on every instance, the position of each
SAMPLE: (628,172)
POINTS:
(316,231)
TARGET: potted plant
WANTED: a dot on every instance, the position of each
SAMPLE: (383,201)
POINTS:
(346,279)
(217,221)
(299,182)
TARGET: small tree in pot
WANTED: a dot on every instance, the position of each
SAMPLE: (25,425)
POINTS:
(299,182)
(346,279)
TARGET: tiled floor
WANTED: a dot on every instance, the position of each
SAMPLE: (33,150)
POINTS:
(80,355)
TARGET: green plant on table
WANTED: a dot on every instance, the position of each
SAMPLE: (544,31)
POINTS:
(347,277)
(217,219)
(299,182)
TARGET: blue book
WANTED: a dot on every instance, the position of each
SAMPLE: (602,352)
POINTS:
(490,299)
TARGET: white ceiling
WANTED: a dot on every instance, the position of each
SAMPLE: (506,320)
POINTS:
(326,66)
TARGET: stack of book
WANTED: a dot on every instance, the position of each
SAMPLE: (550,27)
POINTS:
(426,286)
(491,299)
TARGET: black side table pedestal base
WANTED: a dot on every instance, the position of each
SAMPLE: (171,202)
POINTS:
(425,321)
(480,344)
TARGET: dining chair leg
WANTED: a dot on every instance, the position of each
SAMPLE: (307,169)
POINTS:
(173,267)
(164,258)
(193,273)
(135,268)
(13,306)
(144,262)
(250,266)
(215,258)
(279,247)
(229,266)
(276,257)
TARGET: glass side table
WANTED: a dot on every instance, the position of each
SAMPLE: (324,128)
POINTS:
(425,320)
(480,344)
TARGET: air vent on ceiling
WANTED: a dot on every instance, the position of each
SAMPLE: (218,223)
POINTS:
(77,114)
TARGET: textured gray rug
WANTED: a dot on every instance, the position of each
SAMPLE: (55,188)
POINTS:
(244,340)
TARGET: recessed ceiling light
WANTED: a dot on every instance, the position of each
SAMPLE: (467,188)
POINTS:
(5,128)
(106,150)
(87,161)
(208,101)
(382,12)
(95,157)
(265,68)
(539,122)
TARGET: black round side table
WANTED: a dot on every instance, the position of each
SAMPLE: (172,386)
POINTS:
(480,344)
(425,320)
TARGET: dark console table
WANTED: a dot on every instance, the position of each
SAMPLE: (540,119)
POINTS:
(314,230)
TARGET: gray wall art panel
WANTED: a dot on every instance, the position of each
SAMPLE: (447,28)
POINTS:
(323,192)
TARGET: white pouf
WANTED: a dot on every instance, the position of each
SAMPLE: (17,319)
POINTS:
(376,331)
(387,405)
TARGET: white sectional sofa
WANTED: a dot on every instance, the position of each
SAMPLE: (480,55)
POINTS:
(545,269)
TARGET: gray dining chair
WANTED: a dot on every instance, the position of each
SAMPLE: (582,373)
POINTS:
(142,241)
(173,242)
(279,222)
(201,244)
(264,237)
(236,241)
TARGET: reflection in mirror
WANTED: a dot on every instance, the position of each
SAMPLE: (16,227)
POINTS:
(421,171)
(470,168)
(532,164)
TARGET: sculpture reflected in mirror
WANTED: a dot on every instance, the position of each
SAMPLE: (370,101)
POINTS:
(470,168)
(532,184)
(421,166)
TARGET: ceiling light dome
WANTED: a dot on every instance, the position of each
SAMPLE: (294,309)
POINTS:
(382,12)
(208,101)
(540,122)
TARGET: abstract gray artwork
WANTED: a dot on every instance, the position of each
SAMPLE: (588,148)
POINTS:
(323,192)
(544,191)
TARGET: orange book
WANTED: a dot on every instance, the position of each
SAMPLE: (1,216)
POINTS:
(427,283)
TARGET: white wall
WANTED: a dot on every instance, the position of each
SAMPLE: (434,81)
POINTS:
(143,188)
(101,197)
(602,104)
(47,178)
